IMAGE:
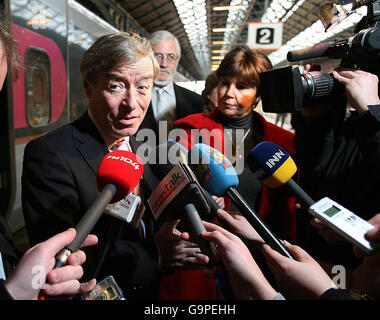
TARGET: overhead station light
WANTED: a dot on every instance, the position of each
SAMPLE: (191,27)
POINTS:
(219,51)
(221,42)
(193,16)
(38,21)
(226,8)
(217,57)
(230,29)
(236,19)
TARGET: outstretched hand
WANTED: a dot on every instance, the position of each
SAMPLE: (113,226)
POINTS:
(176,249)
(35,270)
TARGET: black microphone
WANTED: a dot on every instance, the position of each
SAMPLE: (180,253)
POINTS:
(319,50)
(117,175)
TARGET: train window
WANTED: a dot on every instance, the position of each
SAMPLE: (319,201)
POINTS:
(37,87)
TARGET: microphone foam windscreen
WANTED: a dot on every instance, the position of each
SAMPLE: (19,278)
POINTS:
(214,171)
(121,168)
(271,163)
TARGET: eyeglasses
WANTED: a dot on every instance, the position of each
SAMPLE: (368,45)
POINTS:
(170,57)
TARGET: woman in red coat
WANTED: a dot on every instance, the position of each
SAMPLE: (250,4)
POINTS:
(234,128)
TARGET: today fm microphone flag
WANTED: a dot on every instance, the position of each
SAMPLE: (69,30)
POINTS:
(274,166)
(217,175)
(118,174)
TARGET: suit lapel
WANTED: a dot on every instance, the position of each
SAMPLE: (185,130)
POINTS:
(180,104)
(149,120)
(89,144)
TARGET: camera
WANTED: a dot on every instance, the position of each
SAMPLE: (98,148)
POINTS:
(287,90)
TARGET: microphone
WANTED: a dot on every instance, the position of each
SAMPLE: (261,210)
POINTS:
(273,166)
(179,188)
(118,174)
(217,175)
(319,50)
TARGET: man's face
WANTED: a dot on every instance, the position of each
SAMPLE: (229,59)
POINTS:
(3,66)
(168,66)
(119,98)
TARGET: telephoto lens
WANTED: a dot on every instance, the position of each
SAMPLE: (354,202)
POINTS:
(318,84)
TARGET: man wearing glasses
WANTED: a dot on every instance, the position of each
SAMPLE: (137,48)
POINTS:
(169,101)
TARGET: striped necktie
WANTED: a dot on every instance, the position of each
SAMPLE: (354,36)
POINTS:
(120,144)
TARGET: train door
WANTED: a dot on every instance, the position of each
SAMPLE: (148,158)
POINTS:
(52,37)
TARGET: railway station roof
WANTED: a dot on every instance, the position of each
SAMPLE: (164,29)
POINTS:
(206,30)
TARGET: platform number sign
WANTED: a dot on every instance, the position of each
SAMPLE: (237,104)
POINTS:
(266,36)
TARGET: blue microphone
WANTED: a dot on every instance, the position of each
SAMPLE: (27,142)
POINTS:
(274,166)
(217,175)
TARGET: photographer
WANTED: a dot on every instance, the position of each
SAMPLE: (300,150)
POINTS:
(338,151)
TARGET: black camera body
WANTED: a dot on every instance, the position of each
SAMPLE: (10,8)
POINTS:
(287,90)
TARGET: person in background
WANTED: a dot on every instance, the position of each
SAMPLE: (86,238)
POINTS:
(169,101)
(209,93)
(16,276)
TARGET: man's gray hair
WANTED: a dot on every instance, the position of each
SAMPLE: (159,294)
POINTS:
(162,35)
(112,49)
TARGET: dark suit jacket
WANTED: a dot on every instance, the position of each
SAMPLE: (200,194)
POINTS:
(10,254)
(59,185)
(187,102)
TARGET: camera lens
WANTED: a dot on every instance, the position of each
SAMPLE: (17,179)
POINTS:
(318,84)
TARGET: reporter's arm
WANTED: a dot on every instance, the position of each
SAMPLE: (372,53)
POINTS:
(239,226)
(247,280)
(361,88)
(35,270)
(302,278)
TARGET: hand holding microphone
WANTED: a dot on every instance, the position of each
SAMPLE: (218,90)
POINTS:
(118,174)
(274,167)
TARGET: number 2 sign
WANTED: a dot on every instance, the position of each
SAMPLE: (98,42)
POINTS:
(266,36)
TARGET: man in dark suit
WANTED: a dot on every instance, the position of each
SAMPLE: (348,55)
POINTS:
(59,174)
(169,101)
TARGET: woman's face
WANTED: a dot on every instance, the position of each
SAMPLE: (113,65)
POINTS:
(235,97)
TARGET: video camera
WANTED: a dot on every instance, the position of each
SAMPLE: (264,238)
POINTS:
(285,89)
